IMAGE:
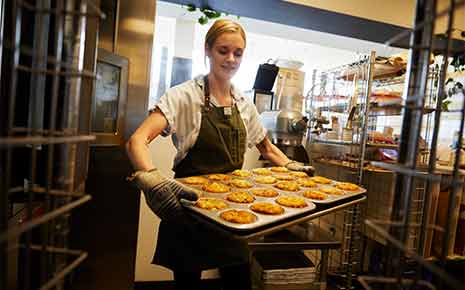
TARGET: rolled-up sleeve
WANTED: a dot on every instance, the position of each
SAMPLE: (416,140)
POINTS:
(169,106)
(255,130)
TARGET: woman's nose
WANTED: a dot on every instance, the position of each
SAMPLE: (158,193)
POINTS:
(230,57)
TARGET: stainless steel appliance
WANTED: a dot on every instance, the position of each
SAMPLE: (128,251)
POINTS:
(285,122)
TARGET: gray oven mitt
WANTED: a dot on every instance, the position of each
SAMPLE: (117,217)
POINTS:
(162,194)
(297,166)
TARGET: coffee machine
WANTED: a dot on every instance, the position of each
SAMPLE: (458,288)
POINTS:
(282,114)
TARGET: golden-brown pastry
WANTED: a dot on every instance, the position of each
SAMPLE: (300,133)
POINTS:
(241,183)
(262,171)
(291,201)
(238,216)
(284,177)
(264,192)
(306,182)
(240,197)
(195,180)
(265,179)
(267,208)
(298,174)
(331,190)
(314,194)
(287,185)
(218,177)
(210,203)
(279,169)
(321,179)
(347,186)
(241,173)
(216,187)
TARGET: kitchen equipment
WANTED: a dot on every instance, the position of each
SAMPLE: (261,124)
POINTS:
(285,122)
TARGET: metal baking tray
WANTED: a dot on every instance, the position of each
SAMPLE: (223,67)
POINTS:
(262,219)
(331,197)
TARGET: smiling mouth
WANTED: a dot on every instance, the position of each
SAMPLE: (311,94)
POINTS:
(229,68)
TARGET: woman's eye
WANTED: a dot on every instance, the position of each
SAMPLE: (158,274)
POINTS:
(238,54)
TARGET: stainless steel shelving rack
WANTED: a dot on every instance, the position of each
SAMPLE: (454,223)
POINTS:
(42,140)
(344,263)
(396,230)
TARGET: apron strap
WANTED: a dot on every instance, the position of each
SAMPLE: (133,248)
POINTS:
(206,90)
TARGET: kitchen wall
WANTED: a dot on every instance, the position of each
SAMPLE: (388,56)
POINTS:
(396,12)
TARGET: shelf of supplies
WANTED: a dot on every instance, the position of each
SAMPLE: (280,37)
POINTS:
(380,71)
(382,145)
(342,108)
(334,142)
(351,143)
(392,110)
(375,109)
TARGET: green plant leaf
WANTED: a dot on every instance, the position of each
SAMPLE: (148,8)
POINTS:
(445,106)
(191,7)
(210,14)
(203,20)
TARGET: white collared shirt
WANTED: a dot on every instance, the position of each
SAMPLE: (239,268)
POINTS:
(182,107)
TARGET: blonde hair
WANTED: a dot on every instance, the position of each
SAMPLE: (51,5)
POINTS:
(222,26)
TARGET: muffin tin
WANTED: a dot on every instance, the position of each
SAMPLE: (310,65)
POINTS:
(262,219)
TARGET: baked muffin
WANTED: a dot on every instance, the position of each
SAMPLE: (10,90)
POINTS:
(291,201)
(262,171)
(284,177)
(210,203)
(267,208)
(240,197)
(287,185)
(314,194)
(241,183)
(279,169)
(347,186)
(265,179)
(216,187)
(195,180)
(298,174)
(306,182)
(218,177)
(264,192)
(238,216)
(241,173)
(331,190)
(321,179)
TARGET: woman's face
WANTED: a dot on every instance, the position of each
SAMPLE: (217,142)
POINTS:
(226,55)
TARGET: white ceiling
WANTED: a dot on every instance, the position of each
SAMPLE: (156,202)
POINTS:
(287,32)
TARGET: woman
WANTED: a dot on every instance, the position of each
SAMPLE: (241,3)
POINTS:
(211,124)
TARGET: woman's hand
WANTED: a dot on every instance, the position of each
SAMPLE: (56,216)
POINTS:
(162,194)
(297,166)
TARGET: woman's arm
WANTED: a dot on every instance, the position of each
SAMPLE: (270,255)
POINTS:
(272,153)
(137,146)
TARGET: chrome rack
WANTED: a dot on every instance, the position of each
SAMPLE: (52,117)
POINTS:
(45,67)
(397,230)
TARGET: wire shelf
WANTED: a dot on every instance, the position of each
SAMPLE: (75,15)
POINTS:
(45,69)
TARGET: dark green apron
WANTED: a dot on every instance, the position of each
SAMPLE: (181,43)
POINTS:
(220,147)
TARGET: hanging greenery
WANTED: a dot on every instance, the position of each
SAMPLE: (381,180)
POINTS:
(207,13)
(458,61)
